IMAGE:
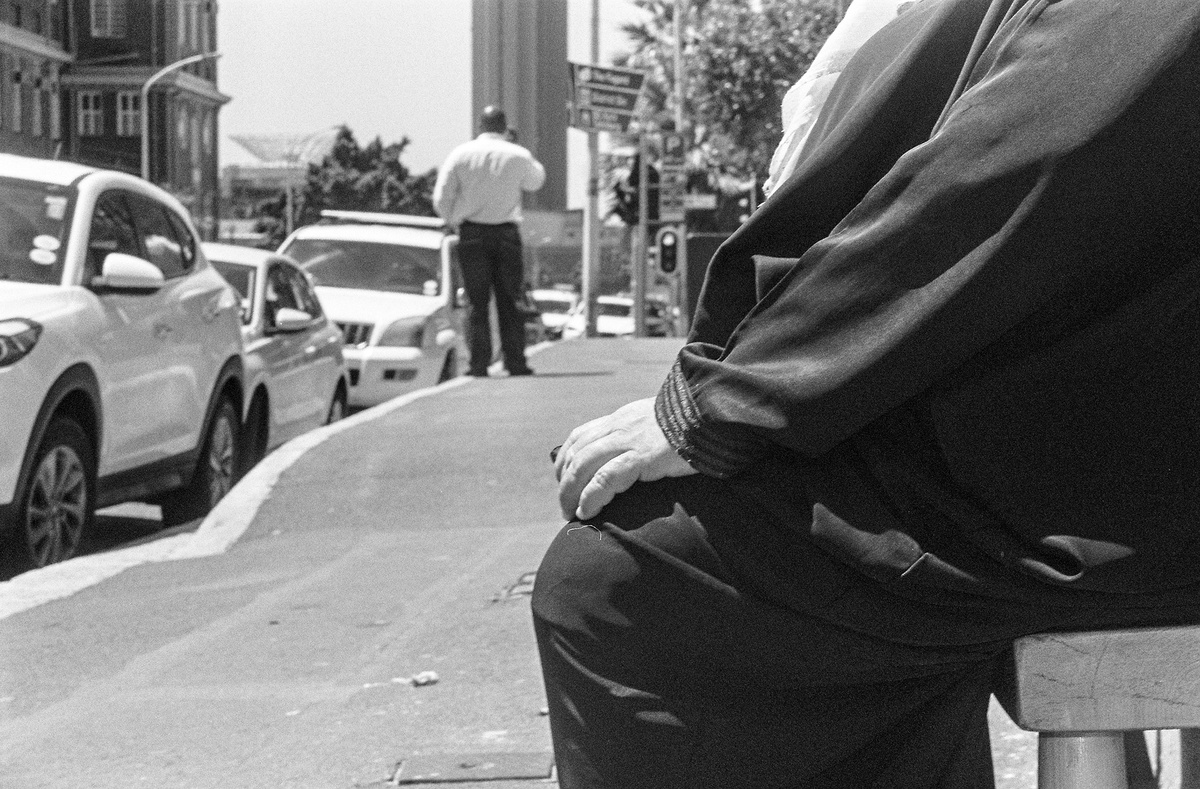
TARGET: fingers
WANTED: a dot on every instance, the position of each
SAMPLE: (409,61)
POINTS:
(578,468)
(579,437)
(615,476)
(606,456)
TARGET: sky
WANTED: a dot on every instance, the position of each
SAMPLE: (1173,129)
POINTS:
(385,68)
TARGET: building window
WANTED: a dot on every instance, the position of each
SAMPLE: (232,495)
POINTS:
(193,13)
(181,127)
(53,100)
(129,117)
(205,17)
(91,116)
(17,106)
(207,132)
(194,139)
(109,18)
(35,110)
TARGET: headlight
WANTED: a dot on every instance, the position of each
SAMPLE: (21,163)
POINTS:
(17,338)
(405,333)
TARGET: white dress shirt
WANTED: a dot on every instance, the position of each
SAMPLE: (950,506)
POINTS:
(482,181)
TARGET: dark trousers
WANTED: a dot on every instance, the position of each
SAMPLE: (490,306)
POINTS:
(492,265)
(670,662)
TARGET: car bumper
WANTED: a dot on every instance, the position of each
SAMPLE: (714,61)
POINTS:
(379,374)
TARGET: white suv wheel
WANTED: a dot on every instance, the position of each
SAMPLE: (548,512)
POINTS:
(215,473)
(57,504)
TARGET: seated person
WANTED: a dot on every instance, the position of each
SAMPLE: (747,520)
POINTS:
(959,408)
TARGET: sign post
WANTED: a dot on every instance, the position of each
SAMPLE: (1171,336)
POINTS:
(603,99)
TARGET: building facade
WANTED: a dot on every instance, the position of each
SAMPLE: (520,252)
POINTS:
(72,74)
(34,55)
(519,63)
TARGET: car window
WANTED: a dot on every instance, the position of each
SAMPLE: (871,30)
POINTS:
(280,294)
(305,296)
(162,245)
(556,306)
(369,265)
(242,278)
(112,230)
(187,242)
(614,310)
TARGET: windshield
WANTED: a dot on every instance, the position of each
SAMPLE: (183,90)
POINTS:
(613,310)
(33,227)
(553,306)
(341,263)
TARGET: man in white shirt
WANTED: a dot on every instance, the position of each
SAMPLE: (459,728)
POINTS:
(478,192)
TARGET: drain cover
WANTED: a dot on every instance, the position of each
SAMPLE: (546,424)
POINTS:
(464,767)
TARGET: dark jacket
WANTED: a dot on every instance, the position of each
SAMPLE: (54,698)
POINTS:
(971,320)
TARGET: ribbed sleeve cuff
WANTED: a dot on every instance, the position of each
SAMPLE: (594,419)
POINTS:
(712,449)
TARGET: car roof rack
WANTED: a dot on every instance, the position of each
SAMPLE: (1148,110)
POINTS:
(333,216)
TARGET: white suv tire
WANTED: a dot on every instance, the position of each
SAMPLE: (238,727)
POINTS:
(216,470)
(56,506)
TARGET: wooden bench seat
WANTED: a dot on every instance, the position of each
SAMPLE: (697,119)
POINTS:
(1082,691)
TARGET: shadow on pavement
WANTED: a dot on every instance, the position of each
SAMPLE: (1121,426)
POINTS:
(122,526)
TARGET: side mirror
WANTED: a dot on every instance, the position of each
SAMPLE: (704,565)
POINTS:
(288,319)
(128,273)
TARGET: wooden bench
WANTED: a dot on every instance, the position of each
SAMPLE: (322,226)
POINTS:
(1082,691)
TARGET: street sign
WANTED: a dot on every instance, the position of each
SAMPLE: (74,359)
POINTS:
(671,206)
(605,98)
(673,181)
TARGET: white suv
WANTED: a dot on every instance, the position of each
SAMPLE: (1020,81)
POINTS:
(389,282)
(120,357)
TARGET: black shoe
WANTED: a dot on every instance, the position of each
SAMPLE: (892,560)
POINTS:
(478,373)
(521,371)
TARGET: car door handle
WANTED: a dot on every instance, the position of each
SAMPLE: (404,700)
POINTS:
(310,350)
(162,330)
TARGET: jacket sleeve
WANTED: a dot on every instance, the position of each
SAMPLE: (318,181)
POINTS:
(1012,202)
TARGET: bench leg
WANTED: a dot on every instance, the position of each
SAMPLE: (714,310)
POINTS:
(1081,760)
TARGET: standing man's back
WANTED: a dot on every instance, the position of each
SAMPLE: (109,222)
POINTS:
(478,192)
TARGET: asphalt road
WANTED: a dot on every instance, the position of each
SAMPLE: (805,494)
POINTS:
(399,545)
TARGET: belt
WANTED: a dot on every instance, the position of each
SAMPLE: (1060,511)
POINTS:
(468,222)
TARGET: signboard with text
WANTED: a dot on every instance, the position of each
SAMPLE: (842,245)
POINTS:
(673,184)
(605,98)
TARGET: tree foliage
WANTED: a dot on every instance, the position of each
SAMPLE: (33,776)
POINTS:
(740,58)
(370,178)
(354,178)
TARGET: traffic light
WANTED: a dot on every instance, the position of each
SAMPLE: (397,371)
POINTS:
(667,244)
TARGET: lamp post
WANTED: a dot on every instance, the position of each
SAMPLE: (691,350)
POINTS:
(145,102)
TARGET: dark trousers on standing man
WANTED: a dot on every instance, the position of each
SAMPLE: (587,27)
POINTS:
(492,266)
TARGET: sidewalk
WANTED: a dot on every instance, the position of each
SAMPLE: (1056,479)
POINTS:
(474,458)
